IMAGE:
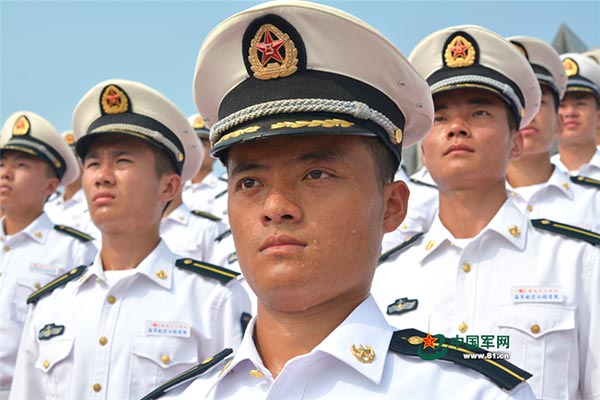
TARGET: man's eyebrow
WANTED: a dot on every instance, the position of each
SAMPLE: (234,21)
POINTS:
(245,167)
(113,153)
(319,155)
(482,101)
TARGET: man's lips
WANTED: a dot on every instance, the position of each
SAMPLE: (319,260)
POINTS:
(5,188)
(458,148)
(529,130)
(280,243)
(570,124)
(103,197)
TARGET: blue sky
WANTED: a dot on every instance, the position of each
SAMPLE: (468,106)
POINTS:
(52,52)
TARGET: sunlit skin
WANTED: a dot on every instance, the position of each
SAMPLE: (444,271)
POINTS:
(534,165)
(467,153)
(207,162)
(125,197)
(25,183)
(307,216)
(577,140)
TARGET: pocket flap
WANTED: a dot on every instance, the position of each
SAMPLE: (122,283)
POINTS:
(166,351)
(52,352)
(536,320)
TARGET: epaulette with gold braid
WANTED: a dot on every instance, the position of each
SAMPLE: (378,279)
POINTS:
(56,283)
(84,237)
(420,182)
(206,215)
(207,269)
(567,230)
(584,180)
(401,246)
(411,342)
(187,375)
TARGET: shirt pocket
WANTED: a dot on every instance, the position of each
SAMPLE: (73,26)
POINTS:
(543,342)
(55,361)
(156,359)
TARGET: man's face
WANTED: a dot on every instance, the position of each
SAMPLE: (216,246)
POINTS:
(580,116)
(207,161)
(540,132)
(121,185)
(307,216)
(24,182)
(470,142)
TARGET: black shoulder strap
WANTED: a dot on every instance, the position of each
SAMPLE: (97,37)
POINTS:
(203,268)
(567,230)
(223,235)
(56,283)
(206,215)
(221,194)
(84,237)
(584,180)
(409,342)
(187,375)
(401,246)
(420,182)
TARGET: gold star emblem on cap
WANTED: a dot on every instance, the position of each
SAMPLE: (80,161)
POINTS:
(114,100)
(199,123)
(362,354)
(21,126)
(571,67)
(70,139)
(459,53)
(278,54)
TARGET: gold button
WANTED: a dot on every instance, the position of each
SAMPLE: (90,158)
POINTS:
(566,185)
(462,327)
(37,286)
(429,245)
(111,299)
(256,373)
(535,328)
(103,340)
(466,267)
(46,364)
(97,387)
(38,234)
(161,274)
(512,194)
(529,207)
(6,248)
(405,227)
(165,359)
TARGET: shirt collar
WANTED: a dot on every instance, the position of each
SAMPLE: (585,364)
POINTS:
(508,222)
(180,215)
(38,230)
(158,266)
(558,181)
(365,326)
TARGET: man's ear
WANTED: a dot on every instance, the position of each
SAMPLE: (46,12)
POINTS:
(51,187)
(396,204)
(516,147)
(170,186)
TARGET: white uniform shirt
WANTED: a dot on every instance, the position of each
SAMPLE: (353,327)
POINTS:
(120,342)
(226,255)
(191,235)
(330,371)
(28,260)
(201,196)
(540,289)
(590,170)
(560,200)
(73,212)
(422,208)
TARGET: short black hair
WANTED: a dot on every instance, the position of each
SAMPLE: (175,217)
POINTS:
(386,162)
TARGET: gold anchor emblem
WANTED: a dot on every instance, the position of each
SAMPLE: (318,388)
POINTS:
(362,354)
